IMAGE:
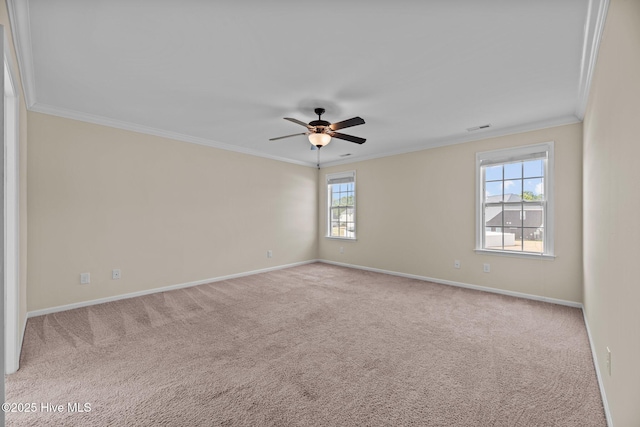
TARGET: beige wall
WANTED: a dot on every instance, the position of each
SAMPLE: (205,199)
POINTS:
(611,207)
(165,212)
(22,134)
(416,214)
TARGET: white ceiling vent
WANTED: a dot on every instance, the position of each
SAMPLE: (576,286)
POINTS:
(478,128)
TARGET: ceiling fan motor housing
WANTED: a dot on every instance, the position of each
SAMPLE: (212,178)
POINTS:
(319,123)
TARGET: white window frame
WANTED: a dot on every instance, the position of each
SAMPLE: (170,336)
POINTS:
(514,154)
(332,178)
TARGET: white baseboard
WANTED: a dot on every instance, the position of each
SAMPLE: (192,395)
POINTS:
(65,307)
(459,284)
(607,413)
(23,331)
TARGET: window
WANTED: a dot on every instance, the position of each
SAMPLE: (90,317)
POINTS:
(341,189)
(514,211)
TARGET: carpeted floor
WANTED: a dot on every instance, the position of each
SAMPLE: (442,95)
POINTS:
(315,345)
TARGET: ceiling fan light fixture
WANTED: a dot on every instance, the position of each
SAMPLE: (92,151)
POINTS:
(319,139)
(320,132)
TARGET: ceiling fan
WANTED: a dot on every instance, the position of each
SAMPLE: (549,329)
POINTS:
(321,131)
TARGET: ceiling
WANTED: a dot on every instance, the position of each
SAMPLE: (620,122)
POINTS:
(225,73)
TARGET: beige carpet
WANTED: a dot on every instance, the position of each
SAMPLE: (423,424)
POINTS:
(315,345)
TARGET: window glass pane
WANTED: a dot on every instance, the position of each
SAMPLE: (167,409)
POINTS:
(534,239)
(513,170)
(350,214)
(345,199)
(512,239)
(335,214)
(493,173)
(493,192)
(513,215)
(533,189)
(533,216)
(350,230)
(533,168)
(493,238)
(492,217)
(513,190)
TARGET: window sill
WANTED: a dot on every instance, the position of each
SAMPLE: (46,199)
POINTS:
(341,238)
(516,254)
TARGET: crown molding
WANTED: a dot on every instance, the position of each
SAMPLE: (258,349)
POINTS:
(427,144)
(593,29)
(459,139)
(21,32)
(20,26)
(118,124)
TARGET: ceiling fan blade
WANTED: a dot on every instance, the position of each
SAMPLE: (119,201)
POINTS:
(287,136)
(298,122)
(347,123)
(349,138)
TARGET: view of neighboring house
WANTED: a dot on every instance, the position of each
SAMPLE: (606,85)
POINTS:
(342,222)
(513,222)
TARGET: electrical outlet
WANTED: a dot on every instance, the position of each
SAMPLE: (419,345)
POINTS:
(486,268)
(456,263)
(341,249)
(115,274)
(609,361)
(269,254)
(85,278)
